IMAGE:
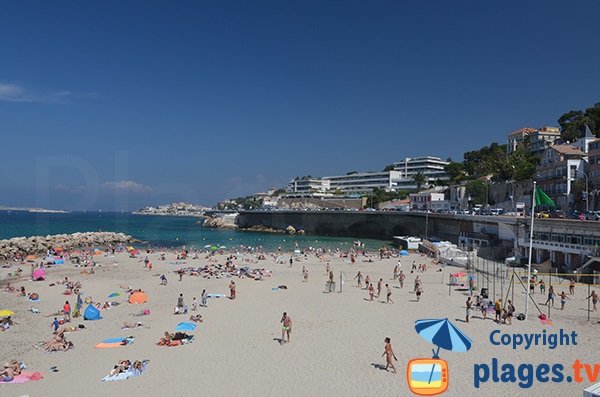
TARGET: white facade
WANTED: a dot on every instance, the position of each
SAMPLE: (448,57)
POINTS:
(363,182)
(431,167)
(306,186)
(428,201)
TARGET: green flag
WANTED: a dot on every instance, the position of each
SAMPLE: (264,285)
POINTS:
(542,198)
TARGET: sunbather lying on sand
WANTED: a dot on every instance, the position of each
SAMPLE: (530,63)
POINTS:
(57,343)
(197,318)
(127,325)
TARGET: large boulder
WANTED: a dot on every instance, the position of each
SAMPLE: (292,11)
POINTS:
(290,230)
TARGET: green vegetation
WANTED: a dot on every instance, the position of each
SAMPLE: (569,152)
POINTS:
(381,195)
(572,124)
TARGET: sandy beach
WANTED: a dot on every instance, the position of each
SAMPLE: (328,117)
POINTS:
(336,343)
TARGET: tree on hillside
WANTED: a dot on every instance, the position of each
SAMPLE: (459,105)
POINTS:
(389,167)
(419,179)
(456,171)
(572,124)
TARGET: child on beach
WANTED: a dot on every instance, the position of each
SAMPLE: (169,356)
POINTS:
(389,355)
(563,300)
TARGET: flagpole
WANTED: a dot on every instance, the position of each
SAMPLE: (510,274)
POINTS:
(530,249)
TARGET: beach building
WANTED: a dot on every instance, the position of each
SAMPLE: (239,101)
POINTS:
(308,186)
(539,138)
(432,169)
(594,163)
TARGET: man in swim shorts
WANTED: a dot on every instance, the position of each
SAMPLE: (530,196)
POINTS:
(286,328)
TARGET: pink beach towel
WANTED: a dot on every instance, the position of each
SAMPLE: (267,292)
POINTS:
(24,377)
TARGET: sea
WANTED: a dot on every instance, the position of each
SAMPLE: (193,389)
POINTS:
(162,231)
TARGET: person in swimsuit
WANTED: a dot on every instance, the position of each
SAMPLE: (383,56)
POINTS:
(7,374)
(389,355)
(401,278)
(371,292)
(358,277)
(419,291)
(469,304)
(388,294)
(379,287)
(594,297)
(572,287)
(232,290)
(286,327)
(563,300)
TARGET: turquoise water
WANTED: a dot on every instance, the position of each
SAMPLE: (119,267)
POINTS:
(159,230)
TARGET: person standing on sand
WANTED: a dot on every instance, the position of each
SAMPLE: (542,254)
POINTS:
(389,355)
(498,310)
(232,290)
(379,287)
(194,304)
(286,327)
(291,261)
(563,300)
(358,277)
(417,283)
(204,298)
(304,273)
(572,287)
(419,291)
(594,297)
(367,281)
(469,304)
(401,278)
(371,292)
(67,311)
(550,296)
(388,294)
(179,304)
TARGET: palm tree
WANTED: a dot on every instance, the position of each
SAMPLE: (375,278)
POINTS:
(419,179)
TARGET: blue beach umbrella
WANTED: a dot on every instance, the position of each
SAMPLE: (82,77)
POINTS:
(444,334)
(185,327)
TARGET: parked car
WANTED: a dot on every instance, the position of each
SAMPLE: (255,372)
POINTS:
(592,215)
(560,214)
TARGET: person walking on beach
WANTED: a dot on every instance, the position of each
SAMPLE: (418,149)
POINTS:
(594,297)
(204,298)
(194,304)
(469,304)
(419,291)
(389,355)
(179,304)
(232,290)
(413,267)
(498,310)
(542,287)
(417,283)
(379,287)
(286,327)
(532,286)
(572,287)
(388,294)
(401,278)
(371,292)
(510,311)
(55,324)
(550,296)
(67,311)
(367,281)
(358,277)
(563,300)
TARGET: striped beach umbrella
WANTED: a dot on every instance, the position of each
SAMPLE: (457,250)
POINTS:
(443,334)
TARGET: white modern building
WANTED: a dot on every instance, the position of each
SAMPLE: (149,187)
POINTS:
(308,186)
(360,183)
(431,167)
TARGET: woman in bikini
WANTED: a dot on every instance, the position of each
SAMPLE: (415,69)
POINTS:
(389,355)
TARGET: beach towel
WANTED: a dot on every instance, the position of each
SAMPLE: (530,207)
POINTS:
(215,295)
(114,342)
(127,374)
(24,377)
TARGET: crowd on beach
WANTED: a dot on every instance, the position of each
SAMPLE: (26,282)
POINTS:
(246,263)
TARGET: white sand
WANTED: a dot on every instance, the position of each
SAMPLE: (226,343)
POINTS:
(337,338)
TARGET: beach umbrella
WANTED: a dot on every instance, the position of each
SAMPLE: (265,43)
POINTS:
(222,247)
(138,298)
(443,334)
(6,313)
(185,327)
(207,246)
(97,252)
(404,253)
(39,274)
(214,248)
(114,295)
(130,248)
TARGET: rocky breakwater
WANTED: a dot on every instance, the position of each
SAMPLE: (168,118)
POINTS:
(218,222)
(41,244)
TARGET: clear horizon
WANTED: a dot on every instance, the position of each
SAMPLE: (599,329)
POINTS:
(119,106)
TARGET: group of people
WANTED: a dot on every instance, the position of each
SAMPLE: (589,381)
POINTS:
(11,369)
(503,313)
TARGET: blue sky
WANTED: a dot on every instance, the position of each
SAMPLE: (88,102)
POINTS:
(116,105)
